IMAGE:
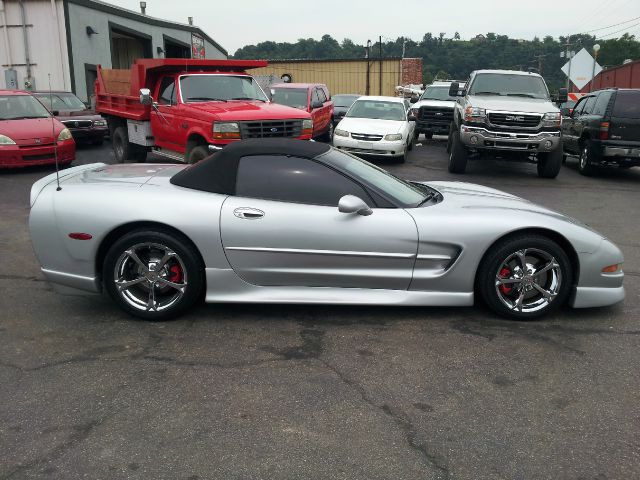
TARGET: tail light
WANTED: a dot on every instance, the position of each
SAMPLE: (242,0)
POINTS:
(604,130)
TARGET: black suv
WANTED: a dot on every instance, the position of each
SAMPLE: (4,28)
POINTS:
(604,129)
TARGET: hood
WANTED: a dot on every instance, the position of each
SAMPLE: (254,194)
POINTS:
(434,103)
(370,125)
(512,104)
(238,110)
(30,128)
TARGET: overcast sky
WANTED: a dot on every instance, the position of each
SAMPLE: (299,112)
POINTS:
(235,24)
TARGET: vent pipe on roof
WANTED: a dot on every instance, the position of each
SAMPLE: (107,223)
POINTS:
(143,8)
(190,20)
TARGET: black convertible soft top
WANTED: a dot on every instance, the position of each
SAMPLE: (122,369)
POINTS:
(217,174)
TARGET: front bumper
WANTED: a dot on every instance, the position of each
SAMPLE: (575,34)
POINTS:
(12,156)
(439,128)
(88,133)
(588,297)
(382,148)
(482,138)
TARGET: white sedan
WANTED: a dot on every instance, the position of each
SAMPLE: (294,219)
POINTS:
(377,126)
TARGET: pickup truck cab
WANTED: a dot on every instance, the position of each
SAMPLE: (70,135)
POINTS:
(434,109)
(311,97)
(604,130)
(506,113)
(186,109)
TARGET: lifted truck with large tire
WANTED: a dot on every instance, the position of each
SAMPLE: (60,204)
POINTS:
(186,109)
(507,114)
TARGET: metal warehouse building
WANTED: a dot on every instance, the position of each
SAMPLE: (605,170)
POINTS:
(68,38)
(371,76)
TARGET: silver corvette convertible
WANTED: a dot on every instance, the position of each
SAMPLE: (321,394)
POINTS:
(284,221)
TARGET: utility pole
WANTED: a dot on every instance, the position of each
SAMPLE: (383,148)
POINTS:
(569,57)
(540,59)
(380,65)
(368,50)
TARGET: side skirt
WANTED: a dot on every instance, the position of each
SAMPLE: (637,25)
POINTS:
(224,286)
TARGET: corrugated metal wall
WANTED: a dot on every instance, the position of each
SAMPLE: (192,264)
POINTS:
(622,76)
(340,76)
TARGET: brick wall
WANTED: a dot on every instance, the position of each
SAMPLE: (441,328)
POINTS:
(411,71)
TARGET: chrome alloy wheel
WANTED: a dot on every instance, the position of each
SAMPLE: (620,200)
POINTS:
(528,280)
(584,158)
(150,277)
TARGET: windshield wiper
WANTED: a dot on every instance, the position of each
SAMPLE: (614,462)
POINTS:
(527,95)
(430,196)
(206,99)
(248,98)
(486,93)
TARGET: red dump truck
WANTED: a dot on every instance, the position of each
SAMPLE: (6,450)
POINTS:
(185,109)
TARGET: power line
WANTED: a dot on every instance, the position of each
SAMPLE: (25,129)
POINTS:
(618,31)
(611,26)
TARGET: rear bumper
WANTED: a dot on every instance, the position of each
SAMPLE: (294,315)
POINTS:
(481,138)
(624,152)
(23,156)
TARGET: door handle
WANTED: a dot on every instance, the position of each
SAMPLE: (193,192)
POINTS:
(247,213)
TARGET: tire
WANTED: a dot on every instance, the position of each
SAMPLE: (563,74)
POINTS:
(587,157)
(124,150)
(197,153)
(416,135)
(428,135)
(183,268)
(449,137)
(457,154)
(520,299)
(328,135)
(549,164)
(411,144)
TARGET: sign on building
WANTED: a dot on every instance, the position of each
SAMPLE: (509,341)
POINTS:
(581,68)
(197,47)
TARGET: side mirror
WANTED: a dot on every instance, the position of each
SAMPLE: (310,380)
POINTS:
(55,113)
(414,99)
(563,95)
(145,96)
(317,104)
(353,204)
(454,89)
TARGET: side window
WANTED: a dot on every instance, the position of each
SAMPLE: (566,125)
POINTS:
(321,96)
(167,91)
(601,103)
(577,109)
(314,96)
(294,180)
(588,107)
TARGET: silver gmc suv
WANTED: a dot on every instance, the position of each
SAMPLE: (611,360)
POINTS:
(506,113)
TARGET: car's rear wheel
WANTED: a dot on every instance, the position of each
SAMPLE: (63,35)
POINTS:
(585,163)
(154,275)
(525,277)
(123,149)
(457,154)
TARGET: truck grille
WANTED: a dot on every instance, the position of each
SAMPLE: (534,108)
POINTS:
(366,137)
(517,120)
(271,128)
(78,123)
(436,114)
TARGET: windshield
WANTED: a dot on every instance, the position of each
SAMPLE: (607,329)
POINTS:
(17,107)
(64,102)
(377,109)
(437,93)
(291,97)
(203,88)
(401,192)
(344,101)
(531,86)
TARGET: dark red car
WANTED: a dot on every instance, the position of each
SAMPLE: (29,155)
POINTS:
(84,123)
(312,97)
(29,135)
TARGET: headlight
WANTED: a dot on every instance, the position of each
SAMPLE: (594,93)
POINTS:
(340,133)
(65,134)
(307,124)
(415,111)
(100,123)
(552,119)
(226,130)
(4,140)
(393,137)
(473,114)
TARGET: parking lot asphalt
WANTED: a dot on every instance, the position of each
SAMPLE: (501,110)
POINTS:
(292,392)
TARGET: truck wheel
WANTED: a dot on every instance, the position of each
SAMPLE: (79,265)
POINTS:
(457,154)
(197,153)
(585,164)
(549,164)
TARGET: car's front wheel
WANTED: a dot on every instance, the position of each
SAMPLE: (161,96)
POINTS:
(154,275)
(457,153)
(525,277)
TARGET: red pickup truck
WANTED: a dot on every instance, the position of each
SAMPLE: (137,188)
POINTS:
(185,109)
(312,97)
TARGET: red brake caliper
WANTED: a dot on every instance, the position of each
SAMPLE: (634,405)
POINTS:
(175,273)
(505,273)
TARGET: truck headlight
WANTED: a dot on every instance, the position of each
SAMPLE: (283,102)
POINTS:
(474,114)
(4,140)
(65,134)
(392,137)
(340,133)
(307,124)
(552,119)
(226,130)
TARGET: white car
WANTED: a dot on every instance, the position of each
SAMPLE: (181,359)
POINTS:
(377,126)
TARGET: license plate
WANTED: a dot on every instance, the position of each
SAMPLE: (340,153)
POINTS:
(365,145)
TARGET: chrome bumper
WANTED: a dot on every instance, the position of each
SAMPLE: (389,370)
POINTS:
(479,137)
(621,152)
